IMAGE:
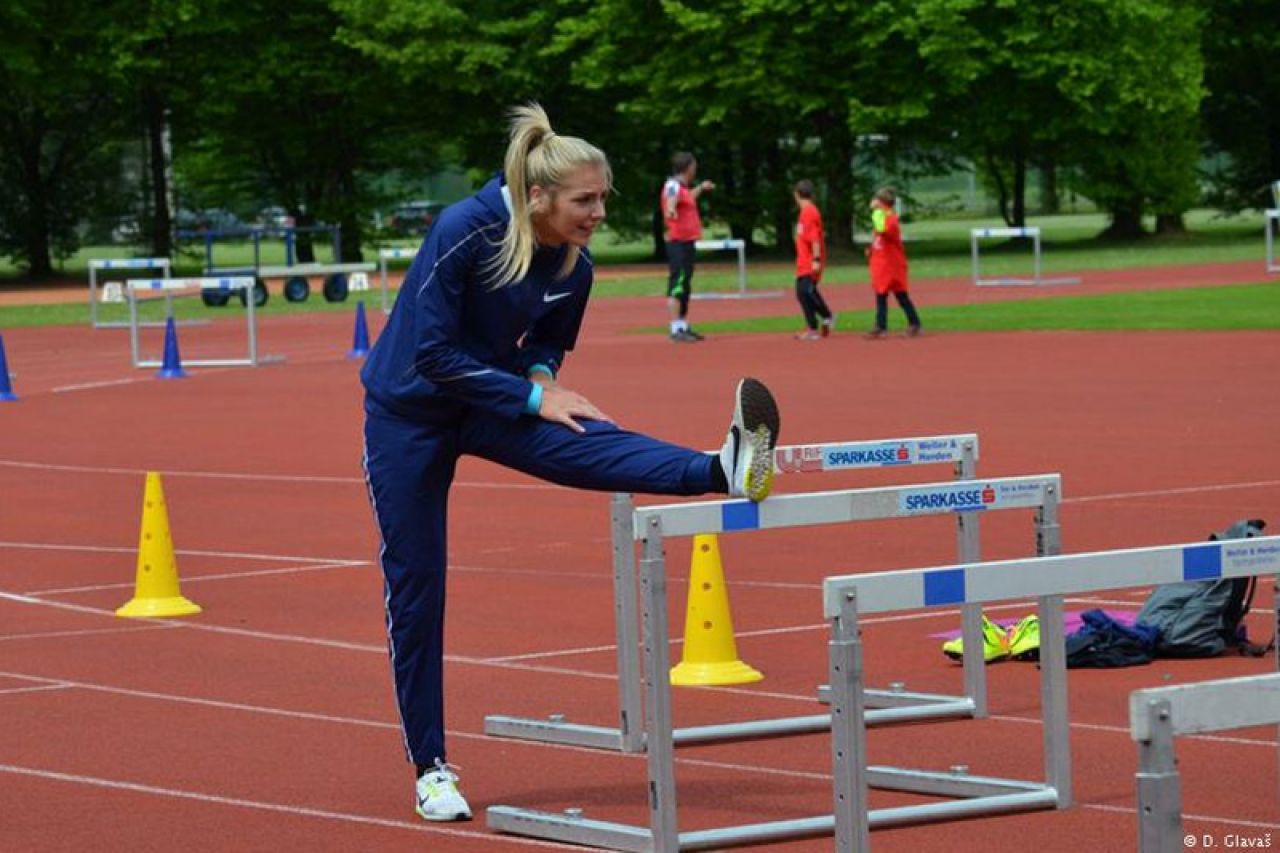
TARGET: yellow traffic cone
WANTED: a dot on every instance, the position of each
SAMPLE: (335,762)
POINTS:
(710,652)
(156,588)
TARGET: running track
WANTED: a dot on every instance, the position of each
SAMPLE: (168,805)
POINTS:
(266,723)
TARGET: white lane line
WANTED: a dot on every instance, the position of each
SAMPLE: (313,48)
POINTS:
(1230,821)
(1186,490)
(84,386)
(57,635)
(184,552)
(40,689)
(297,478)
(277,808)
(195,579)
(268,478)
(717,765)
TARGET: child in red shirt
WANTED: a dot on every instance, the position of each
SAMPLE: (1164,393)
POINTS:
(889,264)
(811,253)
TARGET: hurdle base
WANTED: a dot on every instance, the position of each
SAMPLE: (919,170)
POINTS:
(1026,282)
(925,707)
(1006,797)
(739,294)
(554,731)
(149,324)
(217,362)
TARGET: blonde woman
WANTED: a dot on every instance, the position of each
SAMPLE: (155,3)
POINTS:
(468,364)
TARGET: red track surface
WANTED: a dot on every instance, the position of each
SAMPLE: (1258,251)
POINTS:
(266,723)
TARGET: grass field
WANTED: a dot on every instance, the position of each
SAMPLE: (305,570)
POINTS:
(1223,308)
(1226,307)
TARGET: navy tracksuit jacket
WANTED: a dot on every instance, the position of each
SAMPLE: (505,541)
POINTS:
(447,377)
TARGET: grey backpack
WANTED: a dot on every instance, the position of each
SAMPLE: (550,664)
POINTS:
(1201,619)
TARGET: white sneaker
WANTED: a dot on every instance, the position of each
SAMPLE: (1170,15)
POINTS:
(747,454)
(438,797)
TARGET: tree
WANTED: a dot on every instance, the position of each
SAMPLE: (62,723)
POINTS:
(1242,110)
(60,114)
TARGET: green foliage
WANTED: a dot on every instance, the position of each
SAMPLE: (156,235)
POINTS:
(60,107)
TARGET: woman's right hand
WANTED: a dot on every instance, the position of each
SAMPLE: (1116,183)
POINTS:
(562,406)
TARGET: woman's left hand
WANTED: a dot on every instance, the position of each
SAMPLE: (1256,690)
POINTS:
(562,406)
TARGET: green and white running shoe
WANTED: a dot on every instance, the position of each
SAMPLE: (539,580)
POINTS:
(438,797)
(747,454)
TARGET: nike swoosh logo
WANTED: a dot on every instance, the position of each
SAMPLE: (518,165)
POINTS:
(552,297)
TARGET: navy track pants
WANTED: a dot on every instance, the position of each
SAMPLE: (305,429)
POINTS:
(409,466)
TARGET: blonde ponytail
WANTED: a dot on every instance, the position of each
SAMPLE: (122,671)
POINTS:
(536,155)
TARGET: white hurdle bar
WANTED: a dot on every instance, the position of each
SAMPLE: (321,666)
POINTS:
(1158,714)
(131,264)
(135,286)
(1271,223)
(1047,579)
(960,450)
(385,255)
(1031,232)
(652,526)
(729,245)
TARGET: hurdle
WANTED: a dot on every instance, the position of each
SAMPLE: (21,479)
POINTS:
(168,286)
(1046,579)
(652,527)
(961,450)
(1271,224)
(1158,714)
(113,293)
(385,255)
(740,248)
(1034,234)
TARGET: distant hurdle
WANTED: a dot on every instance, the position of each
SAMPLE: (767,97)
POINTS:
(1046,579)
(1157,715)
(113,292)
(1271,224)
(652,526)
(1031,233)
(168,286)
(385,255)
(959,450)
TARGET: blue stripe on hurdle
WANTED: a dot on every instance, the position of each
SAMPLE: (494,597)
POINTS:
(739,515)
(1203,562)
(945,586)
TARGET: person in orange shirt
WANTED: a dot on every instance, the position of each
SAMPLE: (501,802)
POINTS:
(811,254)
(889,264)
(684,229)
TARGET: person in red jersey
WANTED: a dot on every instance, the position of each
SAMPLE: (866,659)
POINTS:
(889,264)
(811,254)
(684,229)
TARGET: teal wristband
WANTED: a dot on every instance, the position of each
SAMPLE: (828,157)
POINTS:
(540,368)
(534,403)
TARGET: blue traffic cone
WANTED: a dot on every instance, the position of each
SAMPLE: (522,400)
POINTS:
(171,368)
(360,344)
(6,390)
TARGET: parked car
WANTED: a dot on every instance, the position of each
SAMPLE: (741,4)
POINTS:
(275,217)
(415,217)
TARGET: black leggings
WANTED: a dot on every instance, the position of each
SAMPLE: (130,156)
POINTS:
(811,301)
(680,254)
(882,309)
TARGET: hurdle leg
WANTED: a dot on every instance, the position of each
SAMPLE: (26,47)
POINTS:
(848,732)
(969,549)
(1053,698)
(1159,784)
(657,667)
(630,712)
